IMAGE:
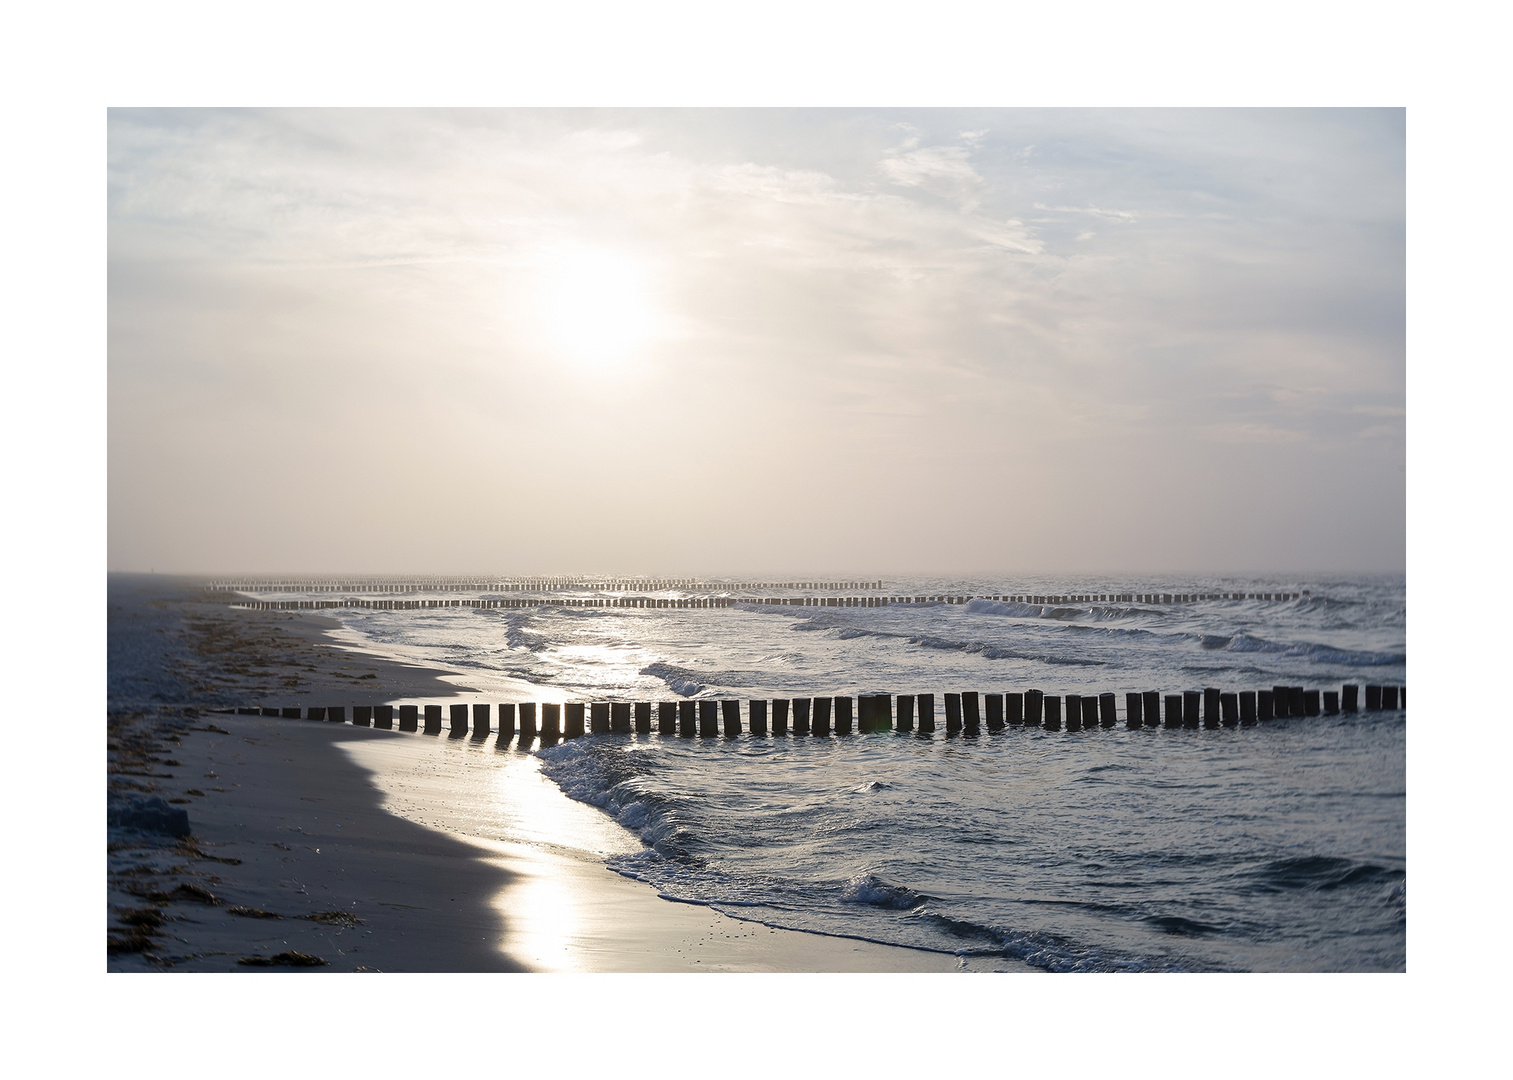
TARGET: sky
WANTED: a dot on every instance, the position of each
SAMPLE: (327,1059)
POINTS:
(756,342)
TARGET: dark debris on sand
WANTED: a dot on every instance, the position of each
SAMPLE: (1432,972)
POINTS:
(174,653)
(284,959)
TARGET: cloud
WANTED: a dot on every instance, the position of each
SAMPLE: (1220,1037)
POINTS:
(1095,211)
(942,170)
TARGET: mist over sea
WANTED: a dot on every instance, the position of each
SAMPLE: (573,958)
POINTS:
(1274,847)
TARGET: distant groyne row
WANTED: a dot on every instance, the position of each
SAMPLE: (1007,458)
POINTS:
(708,602)
(966,713)
(543,585)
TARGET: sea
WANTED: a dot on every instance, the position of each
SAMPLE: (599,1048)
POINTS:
(1273,847)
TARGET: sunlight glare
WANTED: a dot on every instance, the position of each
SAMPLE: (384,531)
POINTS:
(596,307)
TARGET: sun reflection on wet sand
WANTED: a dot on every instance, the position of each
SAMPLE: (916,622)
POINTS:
(498,800)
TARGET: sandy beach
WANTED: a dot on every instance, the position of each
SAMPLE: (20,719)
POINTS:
(325,846)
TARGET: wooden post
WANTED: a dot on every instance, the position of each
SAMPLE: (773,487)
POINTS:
(1211,707)
(1107,710)
(336,714)
(1280,702)
(1389,697)
(1034,708)
(481,726)
(1074,712)
(1052,712)
(527,723)
(1247,706)
(926,703)
(1152,700)
(506,721)
(1351,700)
(1134,711)
(688,719)
(1089,712)
(905,710)
(383,717)
(598,717)
(1331,702)
(319,713)
(667,717)
(1229,708)
(756,717)
(551,721)
(459,719)
(843,715)
(993,708)
(362,715)
(1173,711)
(953,714)
(1191,699)
(780,716)
(970,719)
(1266,704)
(1310,703)
(801,715)
(731,714)
(819,723)
(1013,708)
(709,718)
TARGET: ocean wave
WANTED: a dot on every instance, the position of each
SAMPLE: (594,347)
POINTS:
(784,658)
(1320,873)
(873,890)
(826,620)
(517,637)
(1319,654)
(1180,926)
(680,680)
(1242,641)
(588,774)
(1002,607)
(998,652)
(1048,951)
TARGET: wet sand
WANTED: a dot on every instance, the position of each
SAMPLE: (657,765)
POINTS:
(302,856)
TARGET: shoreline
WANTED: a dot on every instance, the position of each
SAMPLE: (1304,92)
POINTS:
(297,849)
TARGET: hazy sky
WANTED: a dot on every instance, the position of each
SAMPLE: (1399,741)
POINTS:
(727,341)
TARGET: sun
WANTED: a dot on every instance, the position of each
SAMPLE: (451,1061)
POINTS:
(596,308)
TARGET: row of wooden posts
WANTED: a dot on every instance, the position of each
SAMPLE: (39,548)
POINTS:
(528,585)
(1210,708)
(730,601)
